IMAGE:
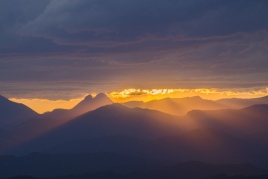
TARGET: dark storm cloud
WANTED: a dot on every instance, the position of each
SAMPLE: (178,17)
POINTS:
(135,20)
(136,42)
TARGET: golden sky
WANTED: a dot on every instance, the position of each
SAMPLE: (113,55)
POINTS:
(44,105)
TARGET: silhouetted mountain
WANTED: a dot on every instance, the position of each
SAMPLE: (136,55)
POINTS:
(113,119)
(41,165)
(29,130)
(225,141)
(240,122)
(211,145)
(34,128)
(231,137)
(12,114)
(208,145)
(117,144)
(43,123)
(180,106)
(237,103)
(177,106)
(87,104)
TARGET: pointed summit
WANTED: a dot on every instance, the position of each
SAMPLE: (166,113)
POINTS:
(88,97)
(101,95)
(90,103)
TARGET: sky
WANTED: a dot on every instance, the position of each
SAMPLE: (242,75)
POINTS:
(62,50)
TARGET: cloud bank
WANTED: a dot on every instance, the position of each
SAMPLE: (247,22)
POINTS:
(84,46)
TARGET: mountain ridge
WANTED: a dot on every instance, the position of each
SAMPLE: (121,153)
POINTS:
(12,113)
(87,104)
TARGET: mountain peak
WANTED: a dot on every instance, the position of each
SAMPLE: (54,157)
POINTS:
(88,97)
(90,103)
(101,95)
(3,99)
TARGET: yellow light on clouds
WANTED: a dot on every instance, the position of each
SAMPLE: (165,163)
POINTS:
(44,105)
(206,93)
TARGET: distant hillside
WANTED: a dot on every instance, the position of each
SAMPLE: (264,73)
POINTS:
(108,120)
(240,122)
(208,145)
(213,136)
(12,114)
(177,106)
(87,104)
(180,106)
(237,103)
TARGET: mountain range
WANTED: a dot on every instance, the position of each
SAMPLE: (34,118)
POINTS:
(87,104)
(137,135)
(180,106)
(12,114)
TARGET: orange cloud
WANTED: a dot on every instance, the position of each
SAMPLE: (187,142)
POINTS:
(206,93)
(132,94)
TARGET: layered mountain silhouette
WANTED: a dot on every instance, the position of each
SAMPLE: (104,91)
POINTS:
(241,122)
(101,139)
(180,106)
(108,120)
(12,114)
(237,103)
(40,124)
(87,104)
(177,106)
(208,145)
(211,136)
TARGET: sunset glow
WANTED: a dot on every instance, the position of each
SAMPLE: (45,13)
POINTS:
(211,94)
(133,89)
(132,94)
(44,105)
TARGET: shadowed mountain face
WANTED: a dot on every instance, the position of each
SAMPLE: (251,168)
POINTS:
(12,114)
(240,122)
(194,145)
(180,106)
(113,119)
(40,124)
(208,145)
(147,133)
(214,136)
(88,104)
